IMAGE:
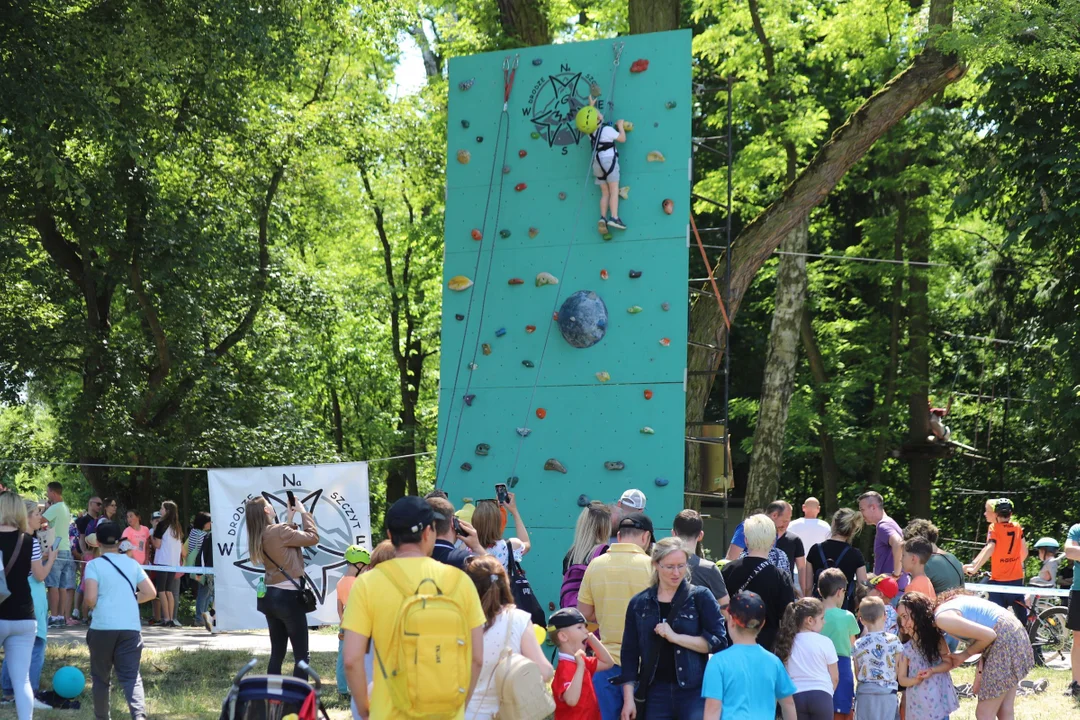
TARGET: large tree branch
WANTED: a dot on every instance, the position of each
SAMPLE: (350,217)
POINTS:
(63,253)
(388,263)
(766,46)
(153,326)
(432,61)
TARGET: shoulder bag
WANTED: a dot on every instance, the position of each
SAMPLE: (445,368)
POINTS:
(5,592)
(652,657)
(524,597)
(307,595)
(131,585)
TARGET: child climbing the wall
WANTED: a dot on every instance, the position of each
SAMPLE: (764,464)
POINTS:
(605,164)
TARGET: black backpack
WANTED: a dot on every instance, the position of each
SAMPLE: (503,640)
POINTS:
(849,596)
(522,591)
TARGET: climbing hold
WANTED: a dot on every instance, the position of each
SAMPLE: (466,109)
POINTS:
(546,278)
(486,349)
(660,482)
(479,138)
(634,309)
(476,234)
(639,66)
(522,153)
(459,317)
(473,366)
(554,465)
(634,274)
(584,319)
(607,236)
(647,431)
(614,465)
(459,283)
(603,376)
(665,306)
(524,432)
(465,124)
(520,186)
(562,196)
(668,205)
(483,449)
(466,466)
(534,135)
(500,332)
(595,90)
(504,233)
(628,126)
(655,156)
(665,342)
(512,481)
(541,413)
(587,120)
(468,399)
(530,329)
(648,394)
(603,274)
(583,500)
(464,156)
(464,85)
(515,281)
(555,316)
(538,61)
(533,232)
(528,363)
(624,192)
(506,169)
(671,104)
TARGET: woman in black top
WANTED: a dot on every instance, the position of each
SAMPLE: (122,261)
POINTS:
(18,625)
(838,552)
(756,573)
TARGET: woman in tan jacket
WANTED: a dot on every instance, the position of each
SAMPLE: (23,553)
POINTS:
(277,546)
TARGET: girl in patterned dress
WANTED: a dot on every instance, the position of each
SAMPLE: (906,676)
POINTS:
(923,670)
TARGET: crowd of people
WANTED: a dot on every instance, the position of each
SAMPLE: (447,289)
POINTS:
(87,568)
(795,622)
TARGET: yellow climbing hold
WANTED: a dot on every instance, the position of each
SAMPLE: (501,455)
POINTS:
(546,278)
(624,192)
(655,156)
(603,376)
(459,283)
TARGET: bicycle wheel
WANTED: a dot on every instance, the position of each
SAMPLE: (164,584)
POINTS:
(1049,637)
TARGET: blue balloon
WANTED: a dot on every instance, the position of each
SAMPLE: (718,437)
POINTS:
(583,319)
(68,682)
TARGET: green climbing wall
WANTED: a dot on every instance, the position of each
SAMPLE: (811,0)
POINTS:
(528,189)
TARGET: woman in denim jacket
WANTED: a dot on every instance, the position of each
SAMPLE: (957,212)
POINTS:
(671,687)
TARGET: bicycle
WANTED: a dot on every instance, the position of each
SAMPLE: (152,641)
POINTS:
(1050,640)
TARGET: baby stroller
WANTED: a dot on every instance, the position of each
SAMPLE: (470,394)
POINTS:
(273,697)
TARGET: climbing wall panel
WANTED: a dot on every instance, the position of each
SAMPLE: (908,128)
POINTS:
(527,192)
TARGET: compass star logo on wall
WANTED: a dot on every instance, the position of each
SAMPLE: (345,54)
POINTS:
(324,562)
(554,102)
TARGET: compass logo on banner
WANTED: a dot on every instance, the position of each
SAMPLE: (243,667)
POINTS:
(554,102)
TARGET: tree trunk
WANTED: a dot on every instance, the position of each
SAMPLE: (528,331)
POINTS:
(830,471)
(654,15)
(525,22)
(335,408)
(781,362)
(885,410)
(917,370)
(930,72)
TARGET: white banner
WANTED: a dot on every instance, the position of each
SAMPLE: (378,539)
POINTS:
(337,497)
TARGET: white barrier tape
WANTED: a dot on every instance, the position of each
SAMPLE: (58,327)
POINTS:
(179,569)
(1016,589)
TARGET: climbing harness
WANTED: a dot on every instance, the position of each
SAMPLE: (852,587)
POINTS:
(600,147)
(502,132)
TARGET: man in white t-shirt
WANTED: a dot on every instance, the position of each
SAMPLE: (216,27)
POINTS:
(809,528)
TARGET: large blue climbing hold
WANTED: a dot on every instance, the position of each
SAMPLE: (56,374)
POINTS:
(583,319)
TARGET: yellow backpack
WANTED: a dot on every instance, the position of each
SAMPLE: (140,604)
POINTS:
(428,664)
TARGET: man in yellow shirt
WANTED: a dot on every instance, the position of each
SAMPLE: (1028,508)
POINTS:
(374,603)
(609,583)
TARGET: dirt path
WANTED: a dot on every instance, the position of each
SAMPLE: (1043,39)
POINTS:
(154,638)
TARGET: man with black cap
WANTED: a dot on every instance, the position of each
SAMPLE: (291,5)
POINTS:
(378,596)
(609,582)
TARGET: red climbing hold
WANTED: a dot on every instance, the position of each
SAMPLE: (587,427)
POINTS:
(541,413)
(520,186)
(639,66)
(530,329)
(522,153)
(648,394)
(603,275)
(477,235)
(555,316)
(515,281)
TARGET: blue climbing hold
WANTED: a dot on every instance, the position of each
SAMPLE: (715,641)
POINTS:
(661,482)
(500,332)
(583,319)
(583,500)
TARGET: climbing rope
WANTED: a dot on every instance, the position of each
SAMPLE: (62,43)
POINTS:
(502,132)
(710,274)
(617,49)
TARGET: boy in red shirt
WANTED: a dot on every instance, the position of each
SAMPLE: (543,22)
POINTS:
(572,686)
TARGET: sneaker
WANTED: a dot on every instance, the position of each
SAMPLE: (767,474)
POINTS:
(602,226)
(616,223)
(1073,690)
(38,705)
(71,622)
(175,624)
(75,614)
(7,700)
(208,622)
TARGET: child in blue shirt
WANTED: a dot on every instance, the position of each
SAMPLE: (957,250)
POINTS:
(746,681)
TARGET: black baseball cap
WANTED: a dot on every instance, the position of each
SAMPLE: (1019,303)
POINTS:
(108,533)
(567,617)
(1004,506)
(747,610)
(640,521)
(409,514)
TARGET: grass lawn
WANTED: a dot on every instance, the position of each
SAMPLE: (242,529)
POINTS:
(184,685)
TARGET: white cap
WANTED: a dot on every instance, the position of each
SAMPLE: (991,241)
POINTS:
(633,499)
(156,515)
